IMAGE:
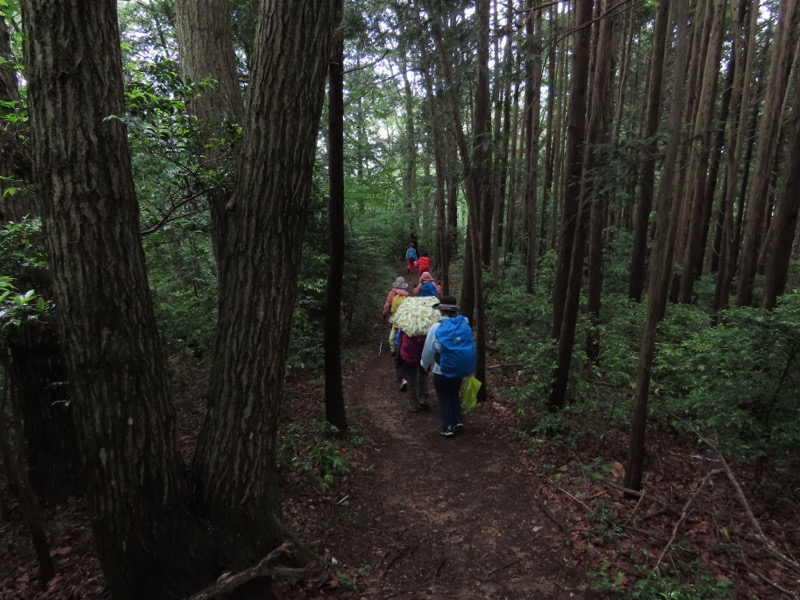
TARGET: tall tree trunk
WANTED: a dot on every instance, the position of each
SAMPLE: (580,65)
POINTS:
(234,465)
(533,78)
(599,135)
(636,278)
(410,151)
(206,51)
(514,176)
(785,223)
(576,210)
(117,371)
(332,339)
(745,55)
(552,128)
(576,128)
(699,155)
(663,250)
(34,362)
(767,147)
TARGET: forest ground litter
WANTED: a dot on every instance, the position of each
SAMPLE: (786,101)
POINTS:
(490,514)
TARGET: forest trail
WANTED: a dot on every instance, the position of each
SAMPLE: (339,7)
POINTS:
(436,517)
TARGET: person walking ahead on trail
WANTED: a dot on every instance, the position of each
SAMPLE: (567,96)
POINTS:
(450,350)
(411,257)
(427,286)
(396,295)
(423,262)
(410,351)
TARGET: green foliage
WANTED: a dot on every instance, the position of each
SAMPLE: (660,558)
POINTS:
(680,581)
(21,247)
(314,453)
(17,308)
(734,383)
(22,259)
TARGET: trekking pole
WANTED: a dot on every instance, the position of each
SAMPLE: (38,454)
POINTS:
(380,348)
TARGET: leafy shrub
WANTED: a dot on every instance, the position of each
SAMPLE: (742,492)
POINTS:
(734,383)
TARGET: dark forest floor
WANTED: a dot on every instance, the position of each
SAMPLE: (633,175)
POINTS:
(486,515)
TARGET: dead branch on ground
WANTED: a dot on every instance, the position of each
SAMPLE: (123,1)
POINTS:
(263,568)
(685,514)
(771,548)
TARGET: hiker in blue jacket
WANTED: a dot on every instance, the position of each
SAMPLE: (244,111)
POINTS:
(411,257)
(451,355)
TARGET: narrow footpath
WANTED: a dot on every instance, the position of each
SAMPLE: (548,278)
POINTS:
(424,516)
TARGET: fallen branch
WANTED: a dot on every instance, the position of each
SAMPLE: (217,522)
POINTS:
(549,516)
(685,514)
(651,496)
(397,556)
(775,584)
(493,571)
(772,550)
(262,568)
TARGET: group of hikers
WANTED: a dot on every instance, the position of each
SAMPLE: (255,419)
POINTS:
(447,348)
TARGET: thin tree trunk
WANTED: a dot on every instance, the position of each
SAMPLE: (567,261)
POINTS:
(737,131)
(533,70)
(640,235)
(332,340)
(699,156)
(767,147)
(661,268)
(26,497)
(576,211)
(576,128)
(599,135)
(785,223)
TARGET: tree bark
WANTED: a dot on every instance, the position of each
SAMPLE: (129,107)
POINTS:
(332,339)
(533,79)
(767,147)
(658,283)
(599,135)
(699,156)
(234,465)
(745,55)
(576,130)
(785,223)
(576,210)
(206,51)
(117,371)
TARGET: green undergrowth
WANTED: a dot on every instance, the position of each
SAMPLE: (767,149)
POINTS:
(317,452)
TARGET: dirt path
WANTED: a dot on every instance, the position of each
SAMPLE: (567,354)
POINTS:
(436,517)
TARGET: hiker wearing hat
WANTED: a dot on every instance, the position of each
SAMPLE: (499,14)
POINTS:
(449,351)
(396,295)
(427,286)
(411,257)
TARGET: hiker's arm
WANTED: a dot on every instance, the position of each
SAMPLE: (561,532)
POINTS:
(428,351)
(387,304)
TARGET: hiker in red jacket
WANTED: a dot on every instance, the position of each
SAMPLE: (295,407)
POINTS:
(423,263)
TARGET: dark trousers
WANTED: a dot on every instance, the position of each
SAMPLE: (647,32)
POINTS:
(449,404)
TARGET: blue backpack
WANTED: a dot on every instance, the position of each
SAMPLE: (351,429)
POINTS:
(457,357)
(428,289)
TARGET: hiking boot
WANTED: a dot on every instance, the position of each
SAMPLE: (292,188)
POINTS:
(413,409)
(423,406)
(459,426)
(403,385)
(448,431)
